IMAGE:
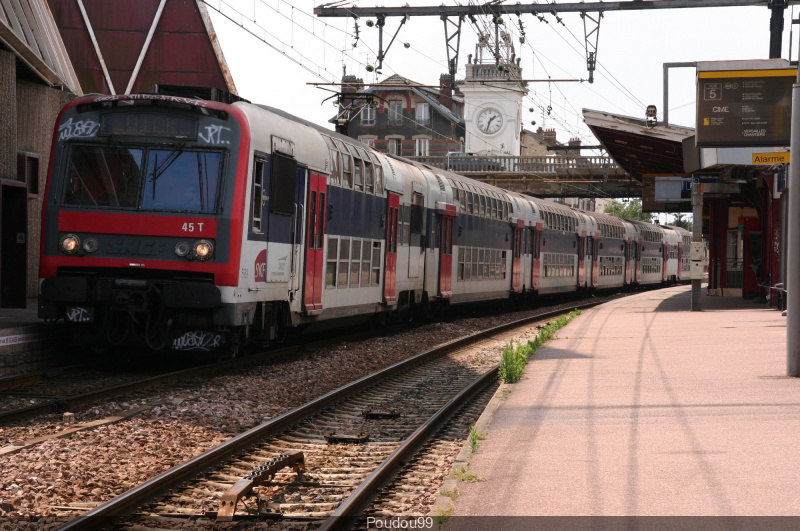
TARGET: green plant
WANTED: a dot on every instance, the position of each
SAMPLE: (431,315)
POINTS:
(465,476)
(514,359)
(474,437)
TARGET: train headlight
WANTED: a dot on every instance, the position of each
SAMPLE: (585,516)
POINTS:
(182,249)
(90,245)
(203,249)
(69,244)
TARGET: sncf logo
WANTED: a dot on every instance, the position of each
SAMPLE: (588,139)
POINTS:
(261,266)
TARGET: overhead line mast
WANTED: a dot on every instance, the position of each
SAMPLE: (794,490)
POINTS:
(592,30)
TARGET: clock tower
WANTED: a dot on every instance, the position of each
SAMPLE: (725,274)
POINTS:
(493,92)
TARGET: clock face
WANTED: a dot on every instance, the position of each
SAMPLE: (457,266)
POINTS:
(490,121)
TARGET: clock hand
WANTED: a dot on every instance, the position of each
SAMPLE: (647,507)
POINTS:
(490,121)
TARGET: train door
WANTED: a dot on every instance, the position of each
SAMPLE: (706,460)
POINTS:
(664,256)
(588,261)
(581,261)
(595,260)
(637,257)
(627,262)
(13,247)
(536,258)
(390,267)
(680,260)
(516,257)
(315,238)
(446,222)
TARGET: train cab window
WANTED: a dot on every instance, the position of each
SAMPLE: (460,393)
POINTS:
(182,180)
(104,176)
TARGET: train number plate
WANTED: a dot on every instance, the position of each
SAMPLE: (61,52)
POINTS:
(78,314)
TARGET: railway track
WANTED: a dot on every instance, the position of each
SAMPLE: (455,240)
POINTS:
(327,460)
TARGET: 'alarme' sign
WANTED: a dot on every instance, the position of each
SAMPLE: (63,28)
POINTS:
(744,107)
(780,157)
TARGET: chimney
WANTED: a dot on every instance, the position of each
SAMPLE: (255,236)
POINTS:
(446,90)
(350,84)
(550,137)
(574,152)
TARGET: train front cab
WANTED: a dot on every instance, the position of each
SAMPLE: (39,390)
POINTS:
(138,219)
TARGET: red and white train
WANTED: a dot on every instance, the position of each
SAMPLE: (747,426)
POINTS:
(192,225)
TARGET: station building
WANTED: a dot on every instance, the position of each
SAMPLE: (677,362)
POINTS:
(52,51)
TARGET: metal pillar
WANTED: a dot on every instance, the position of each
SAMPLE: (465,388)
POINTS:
(793,244)
(697,241)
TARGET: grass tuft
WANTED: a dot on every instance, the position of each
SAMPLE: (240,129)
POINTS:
(515,358)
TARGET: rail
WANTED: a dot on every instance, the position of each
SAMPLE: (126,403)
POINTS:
(134,498)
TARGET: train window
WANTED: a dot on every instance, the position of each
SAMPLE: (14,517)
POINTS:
(468,264)
(257,199)
(470,199)
(344,262)
(330,269)
(376,263)
(463,198)
(358,170)
(105,176)
(283,184)
(460,274)
(417,212)
(492,264)
(369,181)
(475,265)
(505,210)
(336,171)
(404,235)
(366,245)
(355,263)
(378,179)
(483,205)
(494,208)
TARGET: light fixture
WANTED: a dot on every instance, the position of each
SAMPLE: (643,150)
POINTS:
(69,244)
(90,244)
(182,249)
(203,249)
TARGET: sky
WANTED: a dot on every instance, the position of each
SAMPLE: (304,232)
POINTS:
(275,48)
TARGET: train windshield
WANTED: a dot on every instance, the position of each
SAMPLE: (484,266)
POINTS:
(151,179)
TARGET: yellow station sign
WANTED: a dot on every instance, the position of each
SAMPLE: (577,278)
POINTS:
(775,157)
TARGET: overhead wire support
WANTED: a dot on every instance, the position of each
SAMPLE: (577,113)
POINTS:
(591,37)
(381,52)
(452,51)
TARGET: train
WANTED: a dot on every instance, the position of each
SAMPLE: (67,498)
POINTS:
(181,224)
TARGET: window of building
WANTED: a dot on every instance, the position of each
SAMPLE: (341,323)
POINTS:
(395,113)
(423,114)
(422,147)
(395,146)
(368,116)
(368,140)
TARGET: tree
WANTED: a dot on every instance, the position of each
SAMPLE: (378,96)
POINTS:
(631,209)
(679,221)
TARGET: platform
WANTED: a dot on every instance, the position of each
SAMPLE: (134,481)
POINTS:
(641,407)
(25,341)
